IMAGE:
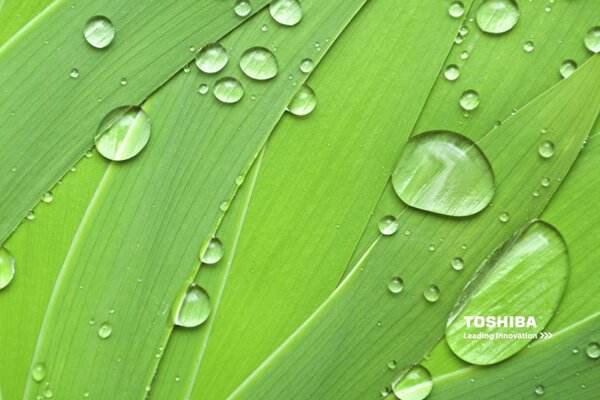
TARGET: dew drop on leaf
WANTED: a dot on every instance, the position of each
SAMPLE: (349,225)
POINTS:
(567,68)
(504,217)
(452,72)
(303,102)
(431,293)
(592,39)
(456,9)
(593,350)
(213,252)
(194,307)
(99,32)
(392,364)
(469,100)
(30,215)
(286,12)
(457,263)
(74,73)
(123,133)
(259,63)
(546,149)
(395,285)
(242,8)
(212,58)
(47,197)
(48,393)
(545,182)
(7,267)
(307,65)
(203,88)
(416,384)
(228,90)
(539,390)
(497,16)
(105,330)
(528,46)
(38,372)
(445,173)
(388,225)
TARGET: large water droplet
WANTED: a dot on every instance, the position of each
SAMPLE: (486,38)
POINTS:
(243,8)
(194,307)
(456,9)
(388,225)
(395,285)
(526,277)
(593,350)
(38,372)
(213,252)
(7,267)
(99,32)
(567,68)
(212,58)
(105,330)
(469,100)
(259,63)
(592,39)
(416,384)
(303,102)
(286,12)
(497,16)
(445,173)
(123,133)
(228,90)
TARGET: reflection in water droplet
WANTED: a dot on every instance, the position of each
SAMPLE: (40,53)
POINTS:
(307,65)
(259,63)
(546,149)
(539,390)
(99,32)
(416,384)
(452,72)
(303,102)
(567,68)
(469,100)
(194,307)
(497,16)
(395,285)
(286,12)
(228,90)
(431,293)
(123,133)
(105,330)
(7,268)
(388,225)
(592,39)
(456,9)
(38,372)
(593,350)
(213,252)
(457,263)
(212,58)
(243,8)
(445,173)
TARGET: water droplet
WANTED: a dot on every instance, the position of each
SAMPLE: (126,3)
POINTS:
(48,393)
(464,55)
(105,330)
(89,154)
(203,88)
(123,133)
(593,350)
(431,247)
(38,372)
(303,102)
(264,28)
(392,364)
(456,9)
(416,384)
(395,285)
(47,197)
(528,46)
(123,81)
(575,350)
(388,225)
(497,16)
(243,8)
(212,58)
(213,252)
(457,263)
(259,63)
(228,90)
(224,206)
(469,100)
(463,31)
(567,68)
(30,215)
(452,72)
(99,32)
(592,39)
(445,173)
(536,193)
(504,217)
(194,307)
(74,73)
(539,390)
(545,182)
(286,12)
(546,149)
(307,65)
(431,293)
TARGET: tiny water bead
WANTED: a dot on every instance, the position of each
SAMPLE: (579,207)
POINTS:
(539,390)
(545,182)
(38,372)
(259,63)
(228,90)
(243,8)
(47,197)
(392,364)
(469,100)
(213,252)
(592,39)
(194,307)
(123,133)
(99,32)
(286,12)
(504,217)
(567,68)
(395,285)
(445,173)
(456,9)
(457,263)
(307,65)
(203,88)
(546,149)
(464,55)
(105,330)
(388,225)
(303,102)
(416,384)
(497,16)
(593,350)
(452,72)
(528,46)
(7,267)
(74,73)
(212,58)
(431,293)
(123,81)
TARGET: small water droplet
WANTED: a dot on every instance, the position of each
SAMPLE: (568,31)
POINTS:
(457,263)
(74,73)
(224,206)
(228,90)
(545,182)
(464,55)
(416,384)
(212,58)
(395,285)
(105,330)
(592,39)
(536,193)
(593,350)
(303,102)
(259,63)
(546,149)
(388,225)
(497,16)
(203,88)
(469,100)
(456,9)
(47,197)
(264,28)
(539,390)
(307,65)
(392,364)
(504,217)
(38,372)
(123,81)
(567,68)
(213,252)
(286,12)
(463,31)
(30,215)
(123,133)
(575,350)
(48,393)
(243,8)
(99,32)
(431,293)
(528,46)
(89,154)
(431,247)
(194,307)
(548,9)
(452,72)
